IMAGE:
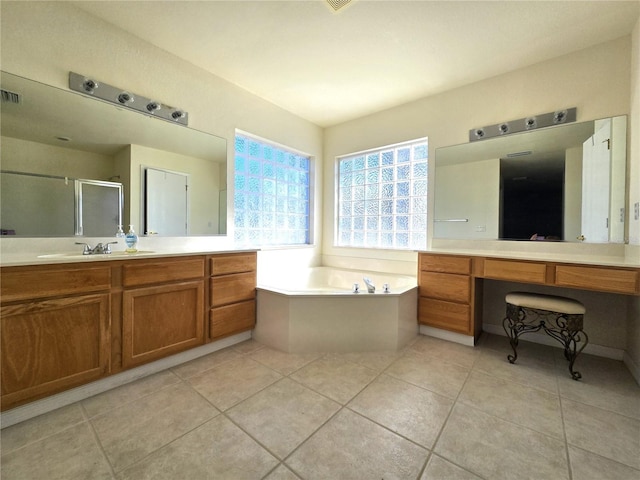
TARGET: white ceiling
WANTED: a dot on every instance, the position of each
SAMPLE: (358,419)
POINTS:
(331,67)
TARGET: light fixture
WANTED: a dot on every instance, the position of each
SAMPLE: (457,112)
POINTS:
(153,107)
(529,123)
(124,98)
(89,85)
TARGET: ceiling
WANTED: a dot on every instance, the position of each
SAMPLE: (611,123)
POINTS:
(330,67)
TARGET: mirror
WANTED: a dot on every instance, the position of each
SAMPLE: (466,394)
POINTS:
(63,151)
(560,183)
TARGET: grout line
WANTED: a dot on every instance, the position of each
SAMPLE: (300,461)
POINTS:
(97,440)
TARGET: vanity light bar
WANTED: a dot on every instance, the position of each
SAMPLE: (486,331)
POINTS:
(523,124)
(123,98)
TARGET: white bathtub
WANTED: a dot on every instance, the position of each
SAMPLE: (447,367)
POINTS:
(315,310)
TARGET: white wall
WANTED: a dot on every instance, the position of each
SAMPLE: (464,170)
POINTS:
(44,41)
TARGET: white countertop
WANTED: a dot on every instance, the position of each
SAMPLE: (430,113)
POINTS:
(43,251)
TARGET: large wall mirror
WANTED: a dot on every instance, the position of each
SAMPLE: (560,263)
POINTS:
(74,165)
(561,183)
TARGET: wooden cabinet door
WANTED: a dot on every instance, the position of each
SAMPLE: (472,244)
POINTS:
(52,345)
(161,320)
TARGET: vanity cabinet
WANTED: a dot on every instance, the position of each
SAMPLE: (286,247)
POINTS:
(162,308)
(446,293)
(55,329)
(232,294)
(450,286)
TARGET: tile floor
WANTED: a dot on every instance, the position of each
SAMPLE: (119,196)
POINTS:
(436,410)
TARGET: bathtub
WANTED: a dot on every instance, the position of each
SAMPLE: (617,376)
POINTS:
(315,310)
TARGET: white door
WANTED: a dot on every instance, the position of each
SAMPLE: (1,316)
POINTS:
(166,203)
(596,166)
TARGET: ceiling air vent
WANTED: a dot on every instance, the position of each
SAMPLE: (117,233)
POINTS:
(9,97)
(338,4)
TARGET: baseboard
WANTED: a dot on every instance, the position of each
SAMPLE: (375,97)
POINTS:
(447,335)
(48,404)
(591,349)
(633,367)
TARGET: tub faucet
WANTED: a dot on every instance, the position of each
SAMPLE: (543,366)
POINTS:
(371,288)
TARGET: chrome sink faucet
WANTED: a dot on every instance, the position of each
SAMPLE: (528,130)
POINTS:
(100,248)
(371,288)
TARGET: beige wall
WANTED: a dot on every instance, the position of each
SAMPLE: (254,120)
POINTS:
(633,324)
(44,41)
(595,80)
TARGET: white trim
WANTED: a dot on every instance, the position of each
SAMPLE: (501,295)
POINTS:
(48,404)
(633,367)
(446,335)
(591,349)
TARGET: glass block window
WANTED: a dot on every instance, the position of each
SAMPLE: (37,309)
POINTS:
(271,199)
(382,197)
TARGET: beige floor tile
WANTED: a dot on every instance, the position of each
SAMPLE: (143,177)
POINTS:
(429,372)
(451,352)
(232,382)
(248,346)
(282,473)
(207,362)
(69,455)
(410,411)
(282,362)
(146,424)
(216,450)
(119,396)
(526,406)
(335,377)
(528,370)
(497,449)
(605,384)
(40,427)
(599,431)
(352,447)
(440,469)
(377,361)
(541,353)
(589,466)
(283,415)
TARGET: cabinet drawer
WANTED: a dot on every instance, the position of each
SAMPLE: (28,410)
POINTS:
(445,286)
(598,278)
(37,282)
(529,272)
(231,319)
(227,289)
(445,263)
(159,271)
(235,263)
(446,315)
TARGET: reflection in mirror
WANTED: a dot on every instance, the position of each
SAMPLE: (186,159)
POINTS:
(51,137)
(562,183)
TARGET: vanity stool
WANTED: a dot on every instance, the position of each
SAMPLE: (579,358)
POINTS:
(560,317)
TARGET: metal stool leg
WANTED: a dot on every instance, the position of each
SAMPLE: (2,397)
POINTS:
(569,333)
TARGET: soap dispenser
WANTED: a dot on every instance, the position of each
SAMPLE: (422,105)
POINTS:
(131,239)
(119,232)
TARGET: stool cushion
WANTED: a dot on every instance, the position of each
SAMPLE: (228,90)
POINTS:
(550,303)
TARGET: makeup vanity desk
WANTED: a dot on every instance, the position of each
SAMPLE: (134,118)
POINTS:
(450,284)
